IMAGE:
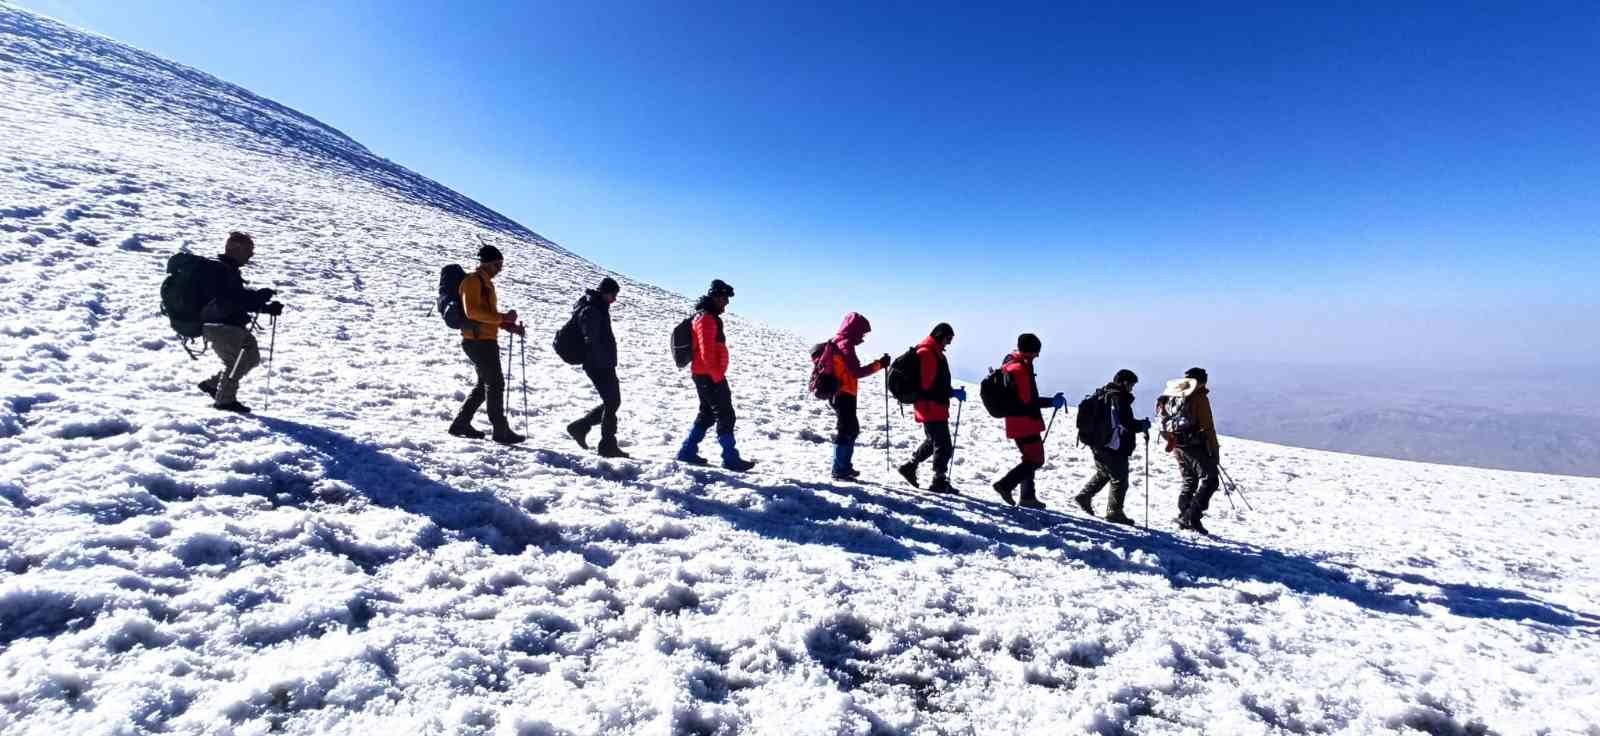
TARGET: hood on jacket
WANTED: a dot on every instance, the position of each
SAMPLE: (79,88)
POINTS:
(853,331)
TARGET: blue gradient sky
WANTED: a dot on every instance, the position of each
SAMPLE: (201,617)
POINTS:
(1370,185)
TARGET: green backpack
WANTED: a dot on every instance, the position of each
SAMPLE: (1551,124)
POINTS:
(180,294)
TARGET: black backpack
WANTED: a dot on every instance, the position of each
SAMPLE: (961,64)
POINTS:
(1094,419)
(905,377)
(683,342)
(823,384)
(568,343)
(180,293)
(999,396)
(449,302)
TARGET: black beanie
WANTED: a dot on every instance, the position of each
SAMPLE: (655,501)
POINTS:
(1028,342)
(1126,376)
(609,285)
(489,254)
(720,288)
(1198,374)
(942,331)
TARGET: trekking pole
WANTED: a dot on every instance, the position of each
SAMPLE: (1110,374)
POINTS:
(1147,479)
(1231,487)
(505,384)
(887,463)
(956,443)
(272,352)
(524,381)
(1051,423)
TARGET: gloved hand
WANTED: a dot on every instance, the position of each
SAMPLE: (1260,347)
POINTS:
(885,361)
(273,308)
(266,294)
(1059,400)
(959,394)
(515,329)
(1144,425)
(509,317)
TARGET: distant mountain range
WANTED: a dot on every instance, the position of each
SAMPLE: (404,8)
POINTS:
(1537,420)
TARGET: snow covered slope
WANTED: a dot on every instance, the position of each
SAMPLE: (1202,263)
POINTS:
(336,564)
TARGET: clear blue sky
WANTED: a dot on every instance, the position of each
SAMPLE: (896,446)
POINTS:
(1368,184)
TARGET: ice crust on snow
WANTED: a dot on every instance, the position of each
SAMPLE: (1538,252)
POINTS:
(337,564)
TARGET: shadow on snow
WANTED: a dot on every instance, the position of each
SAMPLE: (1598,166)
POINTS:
(896,524)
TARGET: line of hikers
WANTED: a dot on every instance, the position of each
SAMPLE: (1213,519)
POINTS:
(206,298)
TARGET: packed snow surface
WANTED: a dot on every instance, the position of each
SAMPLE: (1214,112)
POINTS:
(336,564)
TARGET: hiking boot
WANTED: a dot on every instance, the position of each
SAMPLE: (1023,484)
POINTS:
(505,436)
(611,450)
(580,433)
(209,386)
(1028,499)
(909,472)
(942,485)
(1085,502)
(466,430)
(233,406)
(692,459)
(730,454)
(1117,517)
(1194,525)
(1004,490)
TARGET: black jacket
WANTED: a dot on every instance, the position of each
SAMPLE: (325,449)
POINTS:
(1121,402)
(594,315)
(222,291)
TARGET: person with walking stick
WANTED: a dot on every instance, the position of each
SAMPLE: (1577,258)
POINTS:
(225,306)
(1116,432)
(480,340)
(932,410)
(1191,434)
(839,356)
(1025,423)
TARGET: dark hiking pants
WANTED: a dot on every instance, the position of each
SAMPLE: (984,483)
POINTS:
(485,357)
(1032,448)
(716,405)
(1110,467)
(847,426)
(1199,469)
(610,390)
(935,444)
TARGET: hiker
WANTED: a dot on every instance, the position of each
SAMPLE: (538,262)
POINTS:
(932,409)
(593,312)
(839,356)
(480,340)
(225,318)
(1026,424)
(710,369)
(1191,434)
(1111,458)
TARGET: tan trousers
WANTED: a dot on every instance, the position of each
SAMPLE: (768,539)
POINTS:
(239,353)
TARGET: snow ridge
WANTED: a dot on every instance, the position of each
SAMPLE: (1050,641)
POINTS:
(337,565)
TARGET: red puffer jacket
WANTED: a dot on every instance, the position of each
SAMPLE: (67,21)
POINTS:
(935,379)
(1031,421)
